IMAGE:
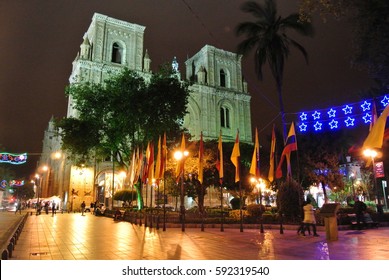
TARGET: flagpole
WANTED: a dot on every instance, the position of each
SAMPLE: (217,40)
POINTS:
(164,202)
(240,206)
(221,175)
(221,205)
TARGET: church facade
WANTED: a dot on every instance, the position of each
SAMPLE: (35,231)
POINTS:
(219,101)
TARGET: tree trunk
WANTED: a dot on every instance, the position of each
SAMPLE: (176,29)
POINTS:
(282,110)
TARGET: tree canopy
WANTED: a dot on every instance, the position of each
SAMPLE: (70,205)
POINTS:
(268,36)
(125,111)
(371,32)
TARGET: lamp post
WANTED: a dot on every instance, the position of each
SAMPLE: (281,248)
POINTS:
(260,185)
(373,154)
(37,184)
(352,177)
(38,180)
(180,156)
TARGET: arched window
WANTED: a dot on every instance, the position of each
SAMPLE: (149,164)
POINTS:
(224,117)
(117,52)
(222,78)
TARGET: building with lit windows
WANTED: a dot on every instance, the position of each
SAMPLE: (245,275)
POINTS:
(219,102)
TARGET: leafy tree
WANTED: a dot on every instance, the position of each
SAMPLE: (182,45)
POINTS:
(325,8)
(290,199)
(371,32)
(125,195)
(320,158)
(125,111)
(24,192)
(267,36)
(371,40)
(196,190)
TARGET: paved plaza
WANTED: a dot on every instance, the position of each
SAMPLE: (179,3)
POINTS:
(76,237)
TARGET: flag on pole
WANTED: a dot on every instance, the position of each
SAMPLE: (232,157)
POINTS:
(219,162)
(373,116)
(290,146)
(180,165)
(163,156)
(132,168)
(235,158)
(254,169)
(150,162)
(138,165)
(201,158)
(375,138)
(158,160)
(144,165)
(272,153)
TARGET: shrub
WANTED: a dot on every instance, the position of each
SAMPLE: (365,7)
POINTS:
(290,199)
(235,214)
(255,210)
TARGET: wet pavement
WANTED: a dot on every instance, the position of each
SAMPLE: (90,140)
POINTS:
(76,237)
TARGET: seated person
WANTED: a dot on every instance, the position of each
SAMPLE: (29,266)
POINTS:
(98,212)
(117,215)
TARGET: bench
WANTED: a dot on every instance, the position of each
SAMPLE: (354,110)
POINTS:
(368,221)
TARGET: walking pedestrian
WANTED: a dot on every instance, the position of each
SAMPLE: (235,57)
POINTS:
(82,208)
(303,226)
(47,207)
(309,216)
(359,209)
(53,210)
(18,207)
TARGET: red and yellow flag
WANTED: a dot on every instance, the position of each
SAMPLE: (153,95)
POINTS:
(375,138)
(180,165)
(290,146)
(158,161)
(150,162)
(235,158)
(163,156)
(254,169)
(219,162)
(272,153)
(201,158)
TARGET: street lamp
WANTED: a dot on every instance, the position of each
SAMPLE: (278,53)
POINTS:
(38,183)
(373,154)
(260,185)
(180,156)
(352,177)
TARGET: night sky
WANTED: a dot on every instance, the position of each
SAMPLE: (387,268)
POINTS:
(40,39)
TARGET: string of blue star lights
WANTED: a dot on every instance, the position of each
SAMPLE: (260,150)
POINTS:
(339,117)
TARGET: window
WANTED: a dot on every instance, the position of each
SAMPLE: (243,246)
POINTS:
(224,117)
(117,52)
(222,78)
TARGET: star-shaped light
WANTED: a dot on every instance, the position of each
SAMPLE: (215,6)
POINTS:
(316,115)
(347,110)
(331,113)
(366,106)
(367,118)
(333,124)
(349,121)
(303,116)
(318,125)
(385,101)
(303,127)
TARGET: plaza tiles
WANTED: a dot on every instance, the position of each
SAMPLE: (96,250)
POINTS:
(76,237)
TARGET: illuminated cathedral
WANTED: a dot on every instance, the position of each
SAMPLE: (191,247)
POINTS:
(219,100)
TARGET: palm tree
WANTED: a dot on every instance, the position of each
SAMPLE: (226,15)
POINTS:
(267,36)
